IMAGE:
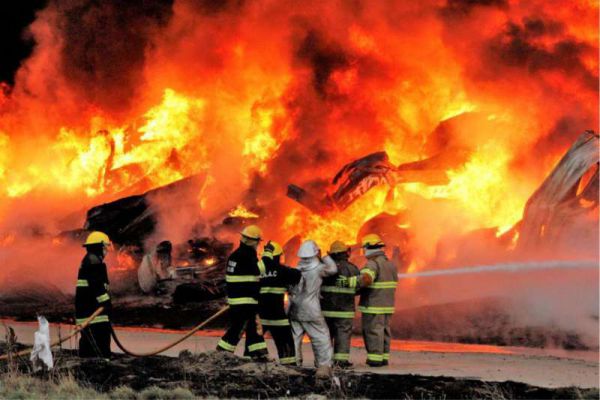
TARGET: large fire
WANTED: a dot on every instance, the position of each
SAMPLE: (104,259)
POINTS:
(260,94)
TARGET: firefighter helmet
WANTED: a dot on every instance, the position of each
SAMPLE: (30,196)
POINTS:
(308,249)
(273,248)
(372,240)
(338,247)
(97,237)
(252,232)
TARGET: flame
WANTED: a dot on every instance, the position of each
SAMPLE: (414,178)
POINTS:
(97,163)
(482,188)
(261,143)
(293,92)
(124,262)
(339,225)
(169,128)
(209,261)
(242,212)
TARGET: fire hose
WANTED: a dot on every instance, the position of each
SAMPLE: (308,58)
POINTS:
(169,346)
(78,329)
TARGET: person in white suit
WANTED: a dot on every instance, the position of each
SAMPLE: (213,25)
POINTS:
(305,307)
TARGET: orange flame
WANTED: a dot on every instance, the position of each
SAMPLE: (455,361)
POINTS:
(292,92)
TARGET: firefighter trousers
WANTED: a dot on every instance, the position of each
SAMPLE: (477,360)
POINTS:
(340,330)
(243,318)
(284,341)
(377,335)
(320,341)
(95,340)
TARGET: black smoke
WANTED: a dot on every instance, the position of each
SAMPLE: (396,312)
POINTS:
(105,44)
(211,7)
(15,43)
(520,46)
(322,57)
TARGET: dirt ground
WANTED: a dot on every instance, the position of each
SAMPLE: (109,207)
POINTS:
(225,375)
(551,368)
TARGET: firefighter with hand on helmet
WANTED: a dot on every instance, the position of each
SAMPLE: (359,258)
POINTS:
(377,282)
(243,287)
(91,293)
(275,279)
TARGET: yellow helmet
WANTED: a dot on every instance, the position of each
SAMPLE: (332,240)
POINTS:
(252,232)
(97,237)
(338,247)
(372,240)
(273,248)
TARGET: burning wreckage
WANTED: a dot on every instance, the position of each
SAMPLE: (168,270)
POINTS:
(193,270)
(151,270)
(569,193)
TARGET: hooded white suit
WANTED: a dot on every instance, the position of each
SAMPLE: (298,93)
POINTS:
(305,304)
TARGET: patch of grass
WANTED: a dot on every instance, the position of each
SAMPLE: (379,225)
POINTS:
(157,393)
(123,393)
(18,386)
(15,386)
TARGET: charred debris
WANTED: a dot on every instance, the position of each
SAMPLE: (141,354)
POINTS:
(568,195)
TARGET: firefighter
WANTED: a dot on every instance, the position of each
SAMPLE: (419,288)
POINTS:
(92,293)
(305,307)
(377,282)
(243,287)
(274,283)
(337,304)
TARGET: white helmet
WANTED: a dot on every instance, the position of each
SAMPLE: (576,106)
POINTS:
(308,249)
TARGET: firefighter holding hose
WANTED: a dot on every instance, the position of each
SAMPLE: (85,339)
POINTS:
(337,304)
(377,283)
(243,288)
(92,293)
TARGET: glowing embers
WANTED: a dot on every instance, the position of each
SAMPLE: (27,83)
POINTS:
(209,261)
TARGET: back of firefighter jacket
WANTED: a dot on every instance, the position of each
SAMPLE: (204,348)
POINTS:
(242,276)
(338,302)
(274,283)
(378,298)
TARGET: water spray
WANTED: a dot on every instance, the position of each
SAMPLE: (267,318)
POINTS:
(506,267)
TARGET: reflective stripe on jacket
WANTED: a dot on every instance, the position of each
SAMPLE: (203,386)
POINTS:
(338,302)
(242,276)
(379,297)
(275,280)
(91,290)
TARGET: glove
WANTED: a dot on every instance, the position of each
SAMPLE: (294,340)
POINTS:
(346,282)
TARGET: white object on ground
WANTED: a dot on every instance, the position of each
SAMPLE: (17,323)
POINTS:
(41,353)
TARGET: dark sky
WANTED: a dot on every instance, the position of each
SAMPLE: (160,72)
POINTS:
(15,16)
